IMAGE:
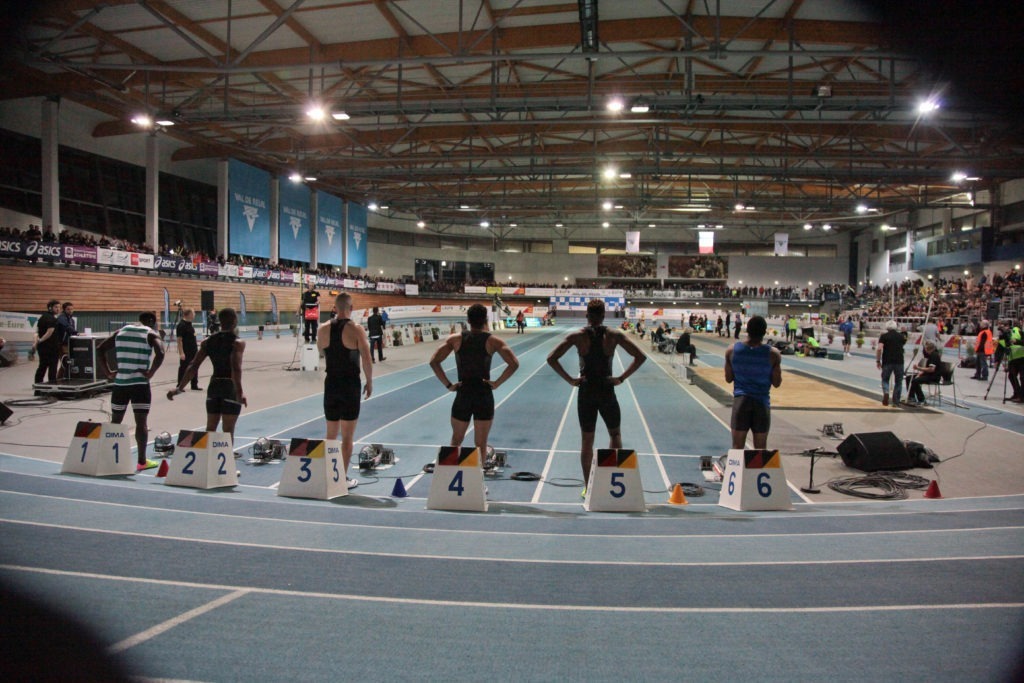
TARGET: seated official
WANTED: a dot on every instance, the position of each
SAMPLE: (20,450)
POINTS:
(927,371)
(812,347)
(683,345)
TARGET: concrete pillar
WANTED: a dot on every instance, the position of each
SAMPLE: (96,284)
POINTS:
(153,193)
(50,176)
(222,208)
(314,255)
(275,219)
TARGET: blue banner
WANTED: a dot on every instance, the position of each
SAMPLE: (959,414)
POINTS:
(356,231)
(248,210)
(328,229)
(294,226)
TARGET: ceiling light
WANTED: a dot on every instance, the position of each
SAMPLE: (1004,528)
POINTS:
(959,177)
(606,224)
(651,225)
(826,227)
(823,91)
(310,179)
(607,206)
(142,120)
(340,116)
(692,209)
(316,112)
(616,104)
(558,225)
(640,107)
(464,207)
(926,107)
(420,224)
(384,207)
(739,206)
(626,175)
(862,208)
(513,225)
(610,172)
(618,206)
(485,224)
(295,177)
(372,206)
(807,226)
(166,123)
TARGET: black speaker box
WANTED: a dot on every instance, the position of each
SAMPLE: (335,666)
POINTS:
(873,451)
(5,413)
(206,299)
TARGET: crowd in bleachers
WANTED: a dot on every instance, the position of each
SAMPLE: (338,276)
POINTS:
(964,299)
(35,233)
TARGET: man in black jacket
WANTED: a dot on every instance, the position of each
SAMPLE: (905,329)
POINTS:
(375,326)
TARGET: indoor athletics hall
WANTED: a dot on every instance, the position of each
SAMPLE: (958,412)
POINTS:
(845,170)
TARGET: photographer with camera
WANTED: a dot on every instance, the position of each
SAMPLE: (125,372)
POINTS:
(187,343)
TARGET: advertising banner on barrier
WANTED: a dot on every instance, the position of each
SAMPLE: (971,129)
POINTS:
(18,326)
(79,253)
(412,290)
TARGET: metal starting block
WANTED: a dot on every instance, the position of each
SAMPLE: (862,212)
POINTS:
(494,461)
(834,429)
(708,469)
(266,450)
(375,455)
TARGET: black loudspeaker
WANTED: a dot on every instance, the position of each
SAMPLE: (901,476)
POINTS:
(872,451)
(5,413)
(206,299)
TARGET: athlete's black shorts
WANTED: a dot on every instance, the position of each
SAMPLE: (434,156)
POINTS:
(473,400)
(598,398)
(139,395)
(341,398)
(221,398)
(750,414)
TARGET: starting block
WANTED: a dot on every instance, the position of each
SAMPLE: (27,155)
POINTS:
(313,469)
(754,480)
(614,484)
(202,460)
(458,481)
(99,449)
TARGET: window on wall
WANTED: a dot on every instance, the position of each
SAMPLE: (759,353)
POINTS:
(896,241)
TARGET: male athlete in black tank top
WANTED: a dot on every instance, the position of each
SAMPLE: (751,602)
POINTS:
(474,395)
(224,396)
(596,346)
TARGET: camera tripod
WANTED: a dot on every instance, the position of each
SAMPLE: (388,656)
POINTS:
(995,373)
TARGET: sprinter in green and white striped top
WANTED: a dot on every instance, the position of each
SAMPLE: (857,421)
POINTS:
(132,345)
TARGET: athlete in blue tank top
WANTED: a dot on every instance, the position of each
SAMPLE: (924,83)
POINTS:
(753,368)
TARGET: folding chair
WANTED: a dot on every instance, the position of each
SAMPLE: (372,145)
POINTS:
(945,380)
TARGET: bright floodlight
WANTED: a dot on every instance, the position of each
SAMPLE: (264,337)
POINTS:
(485,224)
(959,176)
(826,227)
(607,224)
(316,112)
(807,226)
(926,107)
(372,206)
(616,104)
(142,120)
(421,224)
(295,177)
(610,172)
(340,116)
(607,206)
(166,123)
(862,208)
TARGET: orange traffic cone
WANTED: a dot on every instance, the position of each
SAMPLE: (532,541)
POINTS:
(677,497)
(164,466)
(933,490)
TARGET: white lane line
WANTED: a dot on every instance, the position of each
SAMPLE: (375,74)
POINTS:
(527,560)
(647,429)
(554,443)
(165,626)
(320,595)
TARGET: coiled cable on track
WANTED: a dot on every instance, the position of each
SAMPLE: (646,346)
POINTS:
(879,485)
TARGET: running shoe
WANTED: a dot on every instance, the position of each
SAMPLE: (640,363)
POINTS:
(352,483)
(148,465)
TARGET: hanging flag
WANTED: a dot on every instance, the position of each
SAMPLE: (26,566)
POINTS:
(781,243)
(706,242)
(633,242)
